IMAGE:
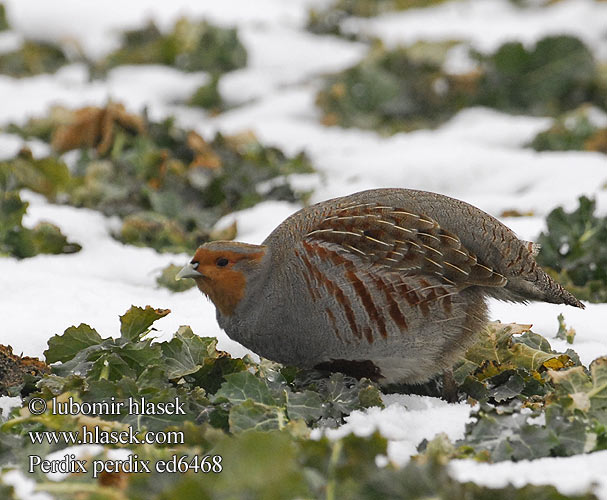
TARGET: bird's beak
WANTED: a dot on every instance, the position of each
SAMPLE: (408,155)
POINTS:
(188,271)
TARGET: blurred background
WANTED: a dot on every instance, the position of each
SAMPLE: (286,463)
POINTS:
(131,132)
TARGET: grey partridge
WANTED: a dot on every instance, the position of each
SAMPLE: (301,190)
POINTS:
(387,283)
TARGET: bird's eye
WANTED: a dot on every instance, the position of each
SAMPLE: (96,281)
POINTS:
(222,262)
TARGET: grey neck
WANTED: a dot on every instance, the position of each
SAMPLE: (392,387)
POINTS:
(241,324)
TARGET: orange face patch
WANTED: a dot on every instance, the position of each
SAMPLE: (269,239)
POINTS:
(224,285)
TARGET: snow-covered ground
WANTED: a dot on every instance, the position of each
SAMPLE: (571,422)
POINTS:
(478,156)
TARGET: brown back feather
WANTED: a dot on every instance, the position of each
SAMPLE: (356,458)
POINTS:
(409,243)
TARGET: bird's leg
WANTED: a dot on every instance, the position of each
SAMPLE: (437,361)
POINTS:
(449,392)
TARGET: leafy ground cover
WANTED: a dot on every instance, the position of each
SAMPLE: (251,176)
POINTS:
(167,279)
(32,58)
(328,19)
(576,130)
(189,46)
(395,90)
(532,402)
(169,185)
(19,241)
(574,250)
(15,239)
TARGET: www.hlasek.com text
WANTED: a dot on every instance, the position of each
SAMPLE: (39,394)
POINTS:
(97,435)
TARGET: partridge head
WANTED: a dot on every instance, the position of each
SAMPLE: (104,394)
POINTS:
(387,283)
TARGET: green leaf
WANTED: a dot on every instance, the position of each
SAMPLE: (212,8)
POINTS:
(241,386)
(513,387)
(135,323)
(462,369)
(155,230)
(534,340)
(82,362)
(579,395)
(48,176)
(190,46)
(342,393)
(474,388)
(306,405)
(571,131)
(496,343)
(508,436)
(573,386)
(369,395)
(207,96)
(598,394)
(186,352)
(53,385)
(110,366)
(573,434)
(125,359)
(22,242)
(32,58)
(261,465)
(3,22)
(214,370)
(252,415)
(74,339)
(47,238)
(573,248)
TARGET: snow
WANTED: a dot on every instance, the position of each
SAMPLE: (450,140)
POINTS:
(158,87)
(24,486)
(7,403)
(9,41)
(571,475)
(95,25)
(488,23)
(268,69)
(478,156)
(405,421)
